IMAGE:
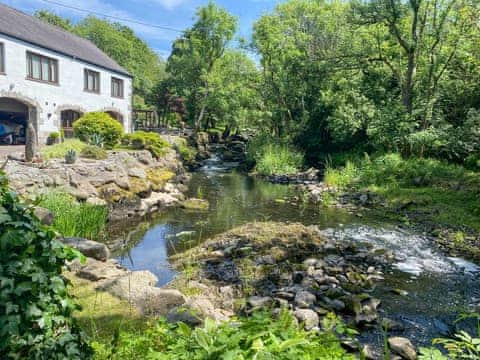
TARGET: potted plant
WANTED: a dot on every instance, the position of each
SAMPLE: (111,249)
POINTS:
(53,138)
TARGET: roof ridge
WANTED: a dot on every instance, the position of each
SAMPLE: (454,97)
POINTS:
(63,33)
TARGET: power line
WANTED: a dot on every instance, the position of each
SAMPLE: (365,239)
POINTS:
(113,17)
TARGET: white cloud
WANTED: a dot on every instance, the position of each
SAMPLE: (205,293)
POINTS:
(170,4)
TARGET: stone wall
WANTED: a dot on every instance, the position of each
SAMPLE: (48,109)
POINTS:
(131,183)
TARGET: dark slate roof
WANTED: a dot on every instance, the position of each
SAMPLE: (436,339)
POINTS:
(19,25)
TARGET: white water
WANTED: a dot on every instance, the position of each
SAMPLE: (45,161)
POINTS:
(413,254)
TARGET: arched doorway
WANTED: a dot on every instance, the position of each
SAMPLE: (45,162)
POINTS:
(15,115)
(67,118)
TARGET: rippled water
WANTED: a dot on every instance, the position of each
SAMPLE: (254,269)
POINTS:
(439,287)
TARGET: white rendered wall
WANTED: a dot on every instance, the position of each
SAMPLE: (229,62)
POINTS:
(51,99)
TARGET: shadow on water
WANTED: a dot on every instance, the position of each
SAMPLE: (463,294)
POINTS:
(439,288)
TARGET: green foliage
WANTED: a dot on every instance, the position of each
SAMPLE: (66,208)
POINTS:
(72,218)
(54,135)
(58,151)
(150,141)
(462,346)
(54,19)
(94,152)
(194,57)
(187,153)
(256,337)
(96,140)
(35,308)
(274,158)
(98,124)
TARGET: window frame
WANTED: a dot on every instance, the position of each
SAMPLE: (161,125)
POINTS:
(97,76)
(53,76)
(121,87)
(2,59)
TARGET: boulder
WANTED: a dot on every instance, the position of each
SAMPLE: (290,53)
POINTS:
(403,347)
(88,248)
(308,317)
(95,270)
(259,302)
(305,299)
(44,215)
(137,173)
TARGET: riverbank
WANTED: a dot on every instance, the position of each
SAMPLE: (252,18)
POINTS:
(435,198)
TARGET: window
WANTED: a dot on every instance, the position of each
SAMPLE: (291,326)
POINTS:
(92,81)
(117,87)
(42,68)
(2,58)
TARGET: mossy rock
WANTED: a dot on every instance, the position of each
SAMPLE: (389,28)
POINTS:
(196,204)
(140,187)
(112,193)
(158,177)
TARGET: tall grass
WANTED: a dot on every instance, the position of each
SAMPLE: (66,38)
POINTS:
(275,159)
(58,151)
(75,219)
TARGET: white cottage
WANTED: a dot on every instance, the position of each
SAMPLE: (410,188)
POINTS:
(50,77)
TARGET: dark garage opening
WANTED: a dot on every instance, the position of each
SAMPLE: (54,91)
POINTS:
(13,122)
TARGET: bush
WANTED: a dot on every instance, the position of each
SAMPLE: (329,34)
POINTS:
(186,152)
(98,124)
(73,218)
(35,308)
(150,141)
(272,159)
(93,152)
(257,337)
(59,151)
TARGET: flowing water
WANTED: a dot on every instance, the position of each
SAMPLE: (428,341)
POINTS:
(439,288)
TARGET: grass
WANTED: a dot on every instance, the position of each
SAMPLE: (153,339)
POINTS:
(277,159)
(73,218)
(58,151)
(439,192)
(102,315)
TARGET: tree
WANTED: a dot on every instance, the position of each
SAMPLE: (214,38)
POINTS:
(54,19)
(195,54)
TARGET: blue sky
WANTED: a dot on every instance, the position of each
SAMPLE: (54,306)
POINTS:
(171,13)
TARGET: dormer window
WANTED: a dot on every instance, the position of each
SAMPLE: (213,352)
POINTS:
(42,68)
(92,81)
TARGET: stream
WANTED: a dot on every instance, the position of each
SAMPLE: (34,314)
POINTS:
(439,288)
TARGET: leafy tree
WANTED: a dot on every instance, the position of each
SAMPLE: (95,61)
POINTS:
(194,56)
(54,19)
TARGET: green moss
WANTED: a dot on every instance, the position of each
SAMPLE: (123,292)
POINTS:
(139,186)
(196,204)
(158,177)
(112,193)
(102,315)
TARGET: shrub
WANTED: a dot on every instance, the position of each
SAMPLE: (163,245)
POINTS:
(150,141)
(58,151)
(278,160)
(101,124)
(73,218)
(94,152)
(187,153)
(35,308)
(257,337)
